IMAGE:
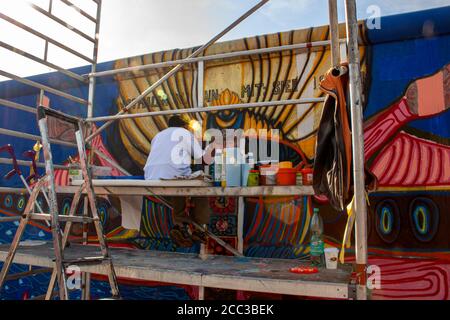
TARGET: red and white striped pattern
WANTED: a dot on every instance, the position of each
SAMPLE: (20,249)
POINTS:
(406,279)
(412,162)
(62,176)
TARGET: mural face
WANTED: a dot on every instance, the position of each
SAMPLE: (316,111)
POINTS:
(407,146)
(274,77)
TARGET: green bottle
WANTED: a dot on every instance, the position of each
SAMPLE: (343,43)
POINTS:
(317,245)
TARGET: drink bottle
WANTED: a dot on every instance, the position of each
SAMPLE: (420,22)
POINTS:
(316,245)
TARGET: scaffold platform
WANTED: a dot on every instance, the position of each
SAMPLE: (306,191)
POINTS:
(233,273)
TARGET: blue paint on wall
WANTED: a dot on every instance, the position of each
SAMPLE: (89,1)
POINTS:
(395,63)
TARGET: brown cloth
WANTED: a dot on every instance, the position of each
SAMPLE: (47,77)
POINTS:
(333,163)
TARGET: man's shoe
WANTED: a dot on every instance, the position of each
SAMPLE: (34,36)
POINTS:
(181,237)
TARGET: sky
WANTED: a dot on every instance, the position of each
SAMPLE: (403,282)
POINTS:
(134,27)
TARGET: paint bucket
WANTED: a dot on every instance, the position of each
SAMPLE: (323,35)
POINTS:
(287,177)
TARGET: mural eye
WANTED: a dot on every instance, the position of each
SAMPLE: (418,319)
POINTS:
(8,202)
(387,220)
(103,214)
(66,207)
(21,204)
(424,219)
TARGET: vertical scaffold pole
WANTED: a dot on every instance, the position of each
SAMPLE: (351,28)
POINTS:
(334,33)
(360,206)
(92,80)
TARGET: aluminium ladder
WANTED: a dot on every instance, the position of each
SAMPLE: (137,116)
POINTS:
(45,116)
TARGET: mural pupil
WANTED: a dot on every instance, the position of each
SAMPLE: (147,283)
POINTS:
(386,220)
(8,201)
(21,204)
(421,217)
(66,208)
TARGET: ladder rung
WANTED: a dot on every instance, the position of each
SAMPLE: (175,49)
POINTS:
(62,218)
(20,275)
(10,219)
(89,260)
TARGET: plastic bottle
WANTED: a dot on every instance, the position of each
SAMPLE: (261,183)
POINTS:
(223,176)
(316,233)
(218,165)
(251,161)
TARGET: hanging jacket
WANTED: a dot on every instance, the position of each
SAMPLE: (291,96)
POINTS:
(333,162)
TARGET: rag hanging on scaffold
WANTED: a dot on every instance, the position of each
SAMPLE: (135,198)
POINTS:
(333,176)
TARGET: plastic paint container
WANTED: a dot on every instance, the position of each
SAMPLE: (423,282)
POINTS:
(287,177)
(308,176)
(253,178)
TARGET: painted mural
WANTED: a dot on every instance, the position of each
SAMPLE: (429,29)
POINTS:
(407,145)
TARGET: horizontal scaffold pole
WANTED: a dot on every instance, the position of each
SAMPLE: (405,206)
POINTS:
(42,61)
(42,87)
(228,55)
(61,22)
(79,10)
(44,37)
(33,137)
(178,67)
(207,109)
(17,106)
(24,163)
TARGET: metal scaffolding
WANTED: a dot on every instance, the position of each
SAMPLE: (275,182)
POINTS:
(196,58)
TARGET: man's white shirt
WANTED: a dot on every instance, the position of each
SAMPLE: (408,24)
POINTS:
(172,151)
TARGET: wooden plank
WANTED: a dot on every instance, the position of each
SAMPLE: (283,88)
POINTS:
(145,183)
(198,191)
(234,273)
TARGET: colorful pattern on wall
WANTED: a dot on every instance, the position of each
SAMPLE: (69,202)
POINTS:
(407,134)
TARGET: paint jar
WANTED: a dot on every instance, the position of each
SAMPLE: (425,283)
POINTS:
(75,175)
(268,175)
(271,179)
(299,180)
(253,178)
(308,176)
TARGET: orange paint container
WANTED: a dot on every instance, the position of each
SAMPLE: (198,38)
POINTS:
(287,177)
